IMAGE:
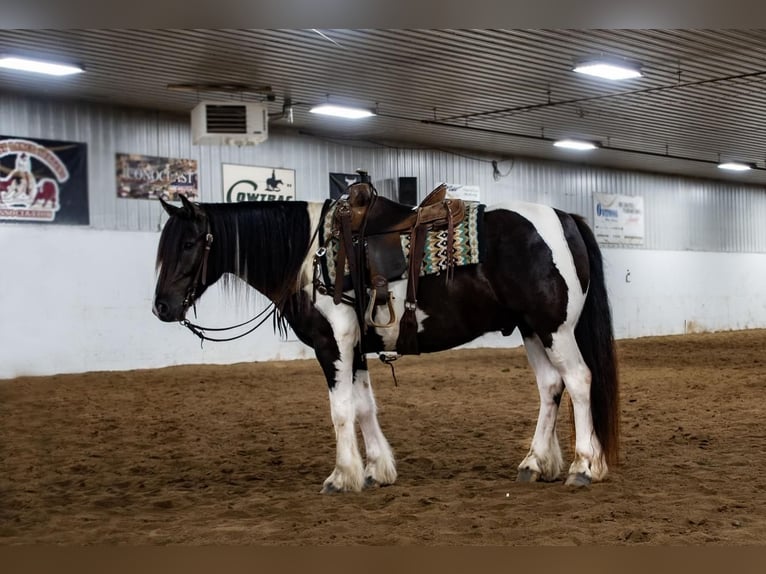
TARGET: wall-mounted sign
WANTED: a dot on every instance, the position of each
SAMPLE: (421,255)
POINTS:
(618,219)
(339,182)
(43,181)
(251,183)
(149,177)
(464,192)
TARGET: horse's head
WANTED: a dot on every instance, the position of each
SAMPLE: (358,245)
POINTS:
(182,258)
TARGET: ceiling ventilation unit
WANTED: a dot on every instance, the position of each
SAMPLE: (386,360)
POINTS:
(229,123)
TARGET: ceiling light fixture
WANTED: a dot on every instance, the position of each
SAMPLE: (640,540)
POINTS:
(608,67)
(342,111)
(579,145)
(39,66)
(736,166)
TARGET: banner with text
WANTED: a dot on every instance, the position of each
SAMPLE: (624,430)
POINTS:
(43,181)
(618,219)
(251,183)
(149,177)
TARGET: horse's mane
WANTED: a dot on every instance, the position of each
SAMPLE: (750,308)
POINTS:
(264,243)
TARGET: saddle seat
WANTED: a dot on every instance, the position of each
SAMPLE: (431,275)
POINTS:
(369,228)
(372,214)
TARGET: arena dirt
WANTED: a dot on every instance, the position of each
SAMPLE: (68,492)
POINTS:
(237,454)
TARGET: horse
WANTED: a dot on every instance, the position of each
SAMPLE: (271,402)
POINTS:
(272,183)
(542,273)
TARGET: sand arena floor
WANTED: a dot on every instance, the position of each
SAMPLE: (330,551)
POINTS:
(237,454)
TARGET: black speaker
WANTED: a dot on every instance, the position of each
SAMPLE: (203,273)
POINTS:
(408,190)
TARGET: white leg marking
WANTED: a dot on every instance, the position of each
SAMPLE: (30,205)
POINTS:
(565,355)
(380,468)
(544,458)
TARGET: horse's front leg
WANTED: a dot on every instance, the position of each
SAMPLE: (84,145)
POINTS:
(348,474)
(334,334)
(336,356)
(381,468)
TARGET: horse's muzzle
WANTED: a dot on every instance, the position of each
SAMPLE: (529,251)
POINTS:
(163,311)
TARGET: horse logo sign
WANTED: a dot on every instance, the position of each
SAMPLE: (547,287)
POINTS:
(251,183)
(32,177)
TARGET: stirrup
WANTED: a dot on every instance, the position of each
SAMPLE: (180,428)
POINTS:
(391,313)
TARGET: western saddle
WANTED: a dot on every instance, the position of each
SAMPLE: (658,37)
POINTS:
(368,228)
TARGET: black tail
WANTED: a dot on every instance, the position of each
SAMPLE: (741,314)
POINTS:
(596,341)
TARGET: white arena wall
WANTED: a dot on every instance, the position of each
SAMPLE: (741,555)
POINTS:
(77,299)
(80,300)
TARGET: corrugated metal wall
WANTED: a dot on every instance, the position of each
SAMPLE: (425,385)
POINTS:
(680,214)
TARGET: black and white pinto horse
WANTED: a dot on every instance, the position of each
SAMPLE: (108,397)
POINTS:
(542,273)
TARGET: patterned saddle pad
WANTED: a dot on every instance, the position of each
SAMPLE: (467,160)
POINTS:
(467,244)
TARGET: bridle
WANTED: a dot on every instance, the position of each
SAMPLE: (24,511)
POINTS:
(200,276)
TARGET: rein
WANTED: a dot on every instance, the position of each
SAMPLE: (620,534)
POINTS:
(200,331)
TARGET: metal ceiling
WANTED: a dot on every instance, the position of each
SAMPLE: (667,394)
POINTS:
(504,92)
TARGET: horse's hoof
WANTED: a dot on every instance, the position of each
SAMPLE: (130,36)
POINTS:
(370,482)
(579,479)
(330,488)
(527,475)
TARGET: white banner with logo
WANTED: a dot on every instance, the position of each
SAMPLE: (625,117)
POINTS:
(251,183)
(618,219)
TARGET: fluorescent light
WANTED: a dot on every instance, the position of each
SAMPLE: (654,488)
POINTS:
(609,68)
(341,111)
(735,166)
(39,66)
(580,145)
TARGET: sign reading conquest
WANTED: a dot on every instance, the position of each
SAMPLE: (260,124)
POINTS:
(43,181)
(618,219)
(250,183)
(149,177)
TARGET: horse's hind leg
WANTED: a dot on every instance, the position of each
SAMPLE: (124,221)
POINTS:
(544,461)
(380,469)
(589,464)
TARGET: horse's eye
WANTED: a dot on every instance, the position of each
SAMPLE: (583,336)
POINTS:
(189,245)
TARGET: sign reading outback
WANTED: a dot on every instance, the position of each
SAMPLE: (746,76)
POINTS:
(43,181)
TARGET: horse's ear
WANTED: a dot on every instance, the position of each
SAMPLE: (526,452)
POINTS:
(186,203)
(192,209)
(169,208)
